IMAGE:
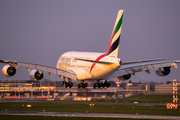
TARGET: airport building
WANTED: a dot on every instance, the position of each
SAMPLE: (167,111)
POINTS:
(137,86)
(54,89)
(165,88)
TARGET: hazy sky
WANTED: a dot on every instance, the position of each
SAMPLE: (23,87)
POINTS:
(39,31)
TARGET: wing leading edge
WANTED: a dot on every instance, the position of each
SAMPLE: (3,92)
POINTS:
(41,68)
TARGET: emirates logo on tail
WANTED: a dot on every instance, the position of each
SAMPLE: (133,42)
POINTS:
(115,37)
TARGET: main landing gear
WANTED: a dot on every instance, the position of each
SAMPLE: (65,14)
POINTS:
(67,83)
(82,84)
(99,85)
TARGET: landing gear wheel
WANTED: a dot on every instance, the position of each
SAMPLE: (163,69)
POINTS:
(70,85)
(82,84)
(99,86)
(85,84)
(66,84)
(94,86)
(102,85)
(62,83)
(108,84)
(79,86)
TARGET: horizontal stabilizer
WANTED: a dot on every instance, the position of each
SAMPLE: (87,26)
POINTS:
(7,61)
(93,61)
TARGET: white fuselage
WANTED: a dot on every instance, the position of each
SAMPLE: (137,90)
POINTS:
(86,70)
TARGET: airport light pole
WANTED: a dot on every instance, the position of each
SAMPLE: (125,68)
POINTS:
(175,98)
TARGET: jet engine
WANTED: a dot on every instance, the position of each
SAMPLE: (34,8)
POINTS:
(35,75)
(8,70)
(124,77)
(163,71)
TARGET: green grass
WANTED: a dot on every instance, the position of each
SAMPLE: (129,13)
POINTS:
(13,117)
(84,107)
(100,108)
(141,98)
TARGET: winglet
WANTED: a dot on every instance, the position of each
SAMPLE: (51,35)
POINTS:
(174,65)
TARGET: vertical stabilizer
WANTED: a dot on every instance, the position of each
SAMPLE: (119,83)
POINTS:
(115,37)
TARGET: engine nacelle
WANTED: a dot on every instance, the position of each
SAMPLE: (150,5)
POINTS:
(35,75)
(124,77)
(163,71)
(8,70)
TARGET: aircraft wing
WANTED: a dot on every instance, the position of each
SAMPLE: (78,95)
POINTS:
(138,66)
(50,70)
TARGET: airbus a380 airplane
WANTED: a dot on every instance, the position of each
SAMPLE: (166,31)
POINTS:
(93,66)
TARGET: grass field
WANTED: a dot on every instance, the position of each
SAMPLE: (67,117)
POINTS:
(141,98)
(84,107)
(13,117)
